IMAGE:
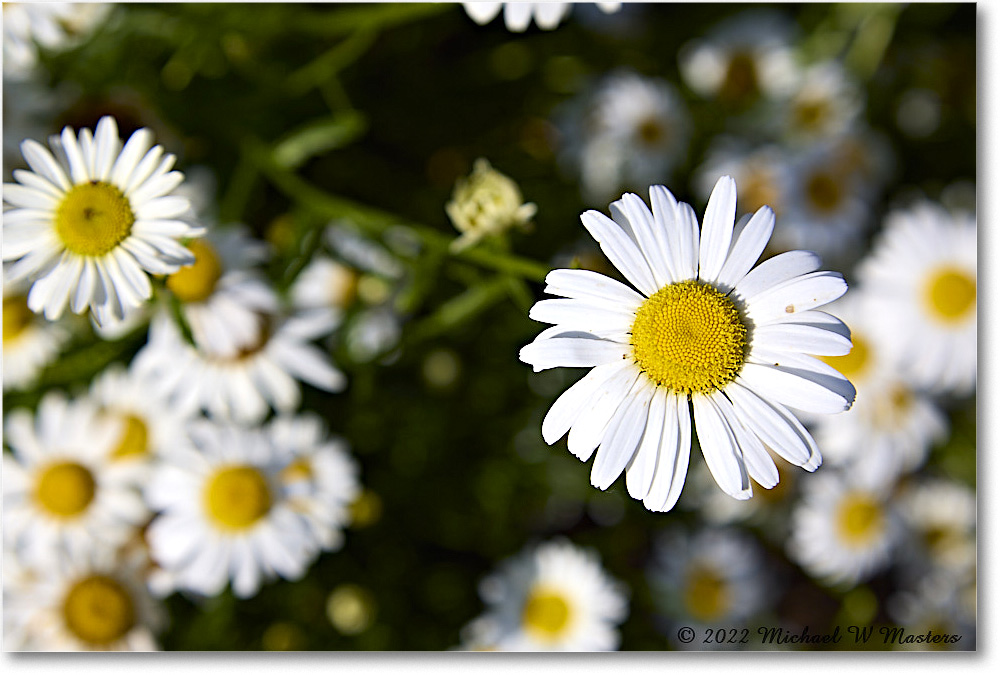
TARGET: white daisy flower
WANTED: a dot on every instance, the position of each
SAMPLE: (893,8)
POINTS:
(555,597)
(518,15)
(325,284)
(246,386)
(940,516)
(767,510)
(742,58)
(636,129)
(222,296)
(320,477)
(922,276)
(97,603)
(51,25)
(710,579)
(762,173)
(148,425)
(225,515)
(844,530)
(29,341)
(825,103)
(704,331)
(62,492)
(88,229)
(891,427)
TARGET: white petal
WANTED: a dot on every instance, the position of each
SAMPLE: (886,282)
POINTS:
(136,146)
(587,285)
(38,182)
(759,464)
(623,435)
(796,295)
(792,389)
(582,315)
(675,453)
(588,430)
(665,229)
(805,366)
(620,250)
(28,197)
(482,12)
(748,247)
(776,270)
(106,146)
(642,467)
(78,168)
(773,424)
(717,229)
(801,338)
(566,409)
(572,353)
(82,295)
(44,164)
(688,237)
(720,449)
(632,210)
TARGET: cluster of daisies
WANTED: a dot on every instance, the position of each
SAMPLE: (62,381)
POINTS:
(189,468)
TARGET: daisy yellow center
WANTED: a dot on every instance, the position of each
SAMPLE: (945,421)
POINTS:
(854,363)
(706,594)
(93,218)
(741,77)
(98,610)
(951,294)
(689,337)
(16,316)
(299,470)
(237,497)
(65,489)
(824,192)
(811,114)
(652,132)
(546,613)
(759,190)
(195,283)
(134,440)
(859,519)
(891,408)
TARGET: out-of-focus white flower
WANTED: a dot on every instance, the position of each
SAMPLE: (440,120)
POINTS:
(96,603)
(51,25)
(632,131)
(922,277)
(63,494)
(555,597)
(87,229)
(936,607)
(518,15)
(891,427)
(825,102)
(941,518)
(844,530)
(486,203)
(30,342)
(225,514)
(681,342)
(710,579)
(743,57)
(761,174)
(243,387)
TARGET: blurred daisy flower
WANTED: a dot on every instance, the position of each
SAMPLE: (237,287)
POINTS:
(843,530)
(50,25)
(940,516)
(486,203)
(98,602)
(715,577)
(632,130)
(63,493)
(742,58)
(30,342)
(222,296)
(224,514)
(825,103)
(245,386)
(922,273)
(325,284)
(555,597)
(762,173)
(320,477)
(935,605)
(704,331)
(891,427)
(89,228)
(518,15)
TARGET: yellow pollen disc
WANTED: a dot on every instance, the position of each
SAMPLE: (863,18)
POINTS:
(195,283)
(546,613)
(237,497)
(134,440)
(93,218)
(16,316)
(98,610)
(65,489)
(824,192)
(951,294)
(859,519)
(706,594)
(689,337)
(810,115)
(855,362)
(298,470)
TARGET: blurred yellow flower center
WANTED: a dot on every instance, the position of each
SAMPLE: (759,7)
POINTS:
(951,294)
(859,519)
(93,218)
(65,489)
(237,497)
(741,78)
(890,409)
(824,192)
(195,283)
(98,610)
(856,361)
(298,470)
(16,316)
(134,440)
(759,189)
(706,594)
(810,115)
(546,613)
(652,132)
(689,337)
